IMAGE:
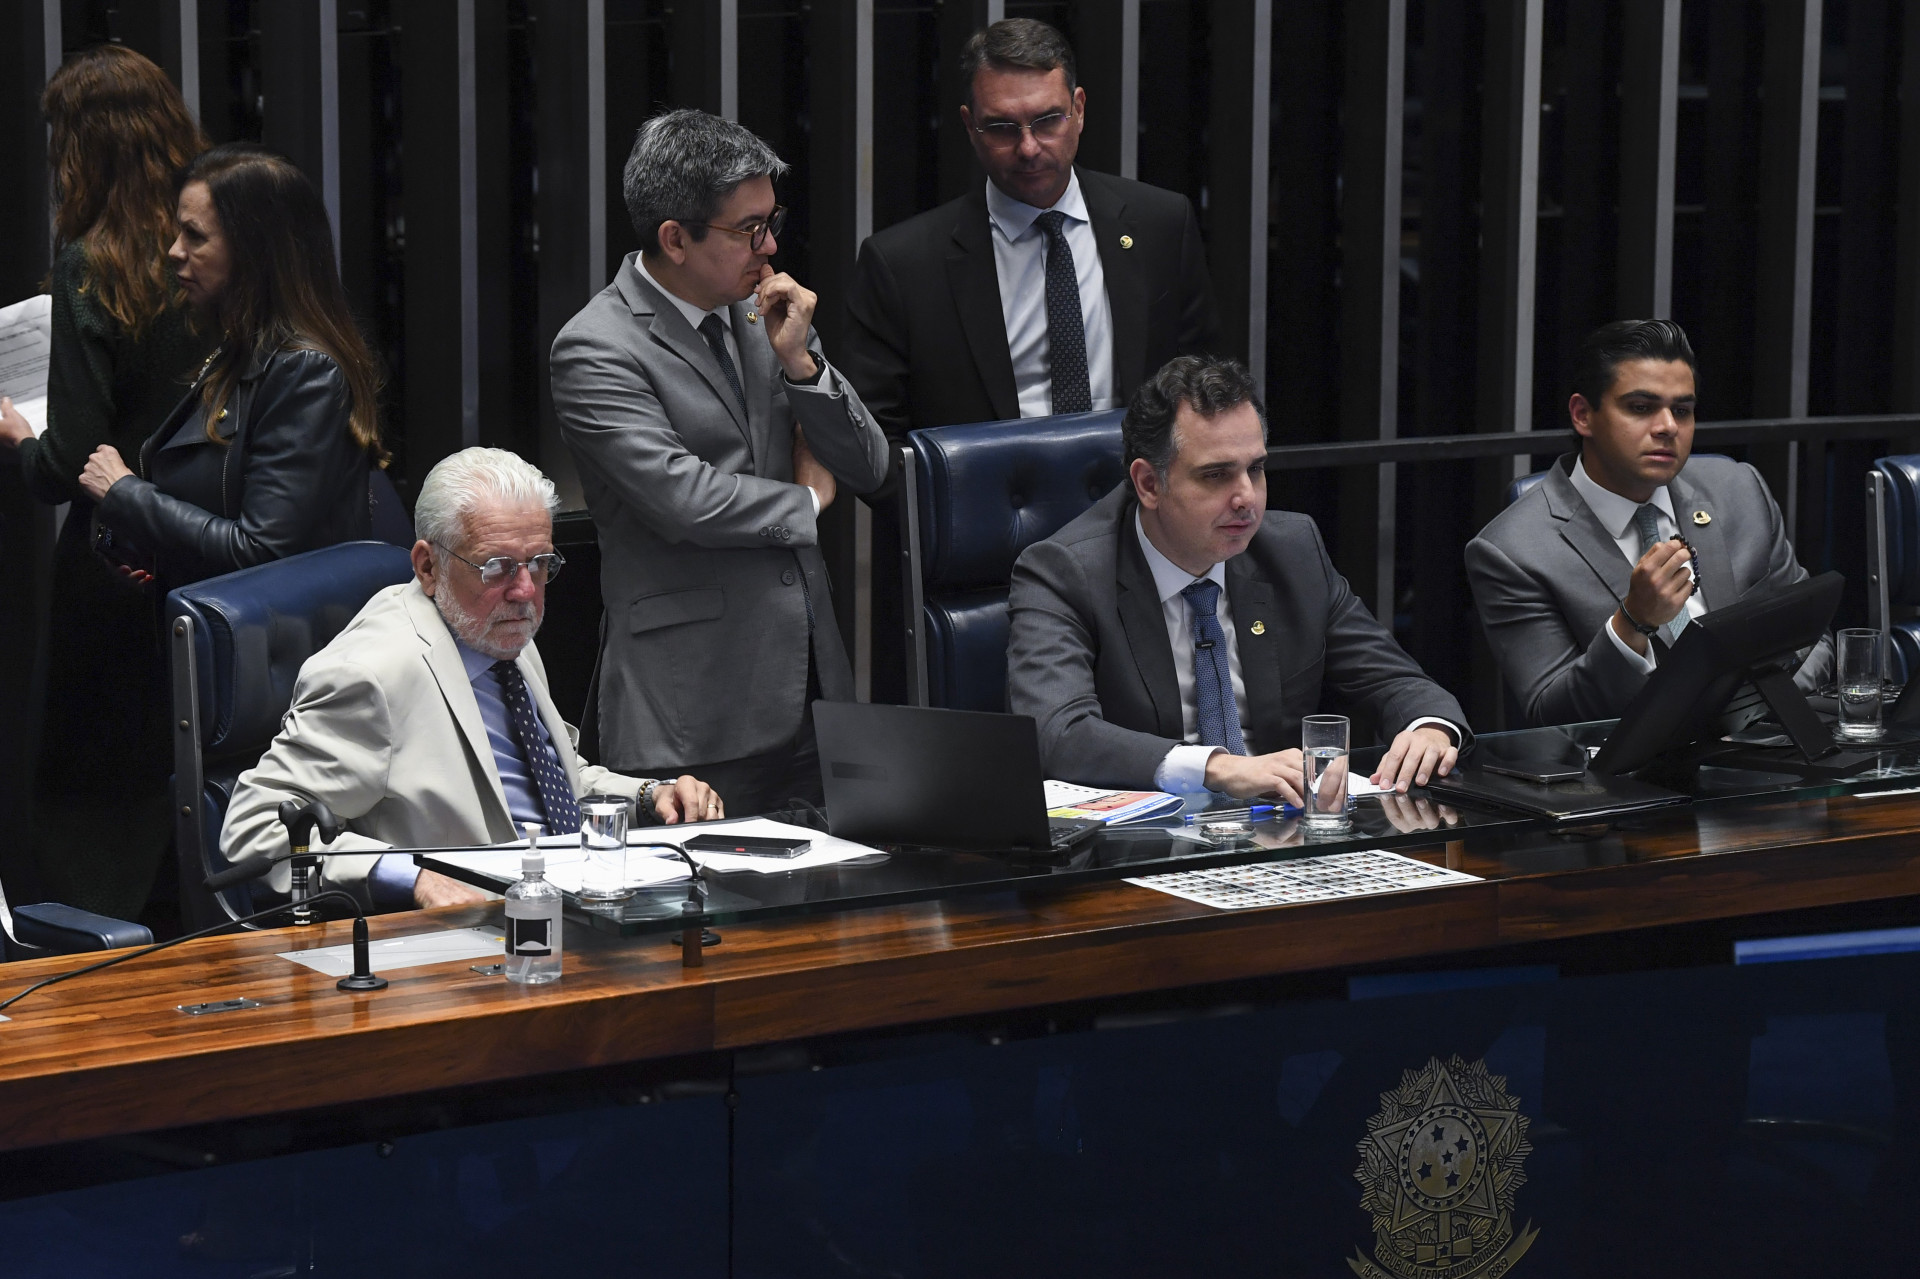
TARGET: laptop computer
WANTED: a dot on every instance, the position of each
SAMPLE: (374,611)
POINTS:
(937,778)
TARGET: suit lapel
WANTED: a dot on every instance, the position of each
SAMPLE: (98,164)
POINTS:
(1581,529)
(670,329)
(442,657)
(1125,272)
(1146,628)
(1254,602)
(975,283)
(758,368)
(535,673)
(1714,568)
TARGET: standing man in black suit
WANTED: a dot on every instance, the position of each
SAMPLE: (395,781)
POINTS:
(1045,289)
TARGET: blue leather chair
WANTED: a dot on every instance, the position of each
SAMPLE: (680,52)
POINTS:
(49,928)
(1902,476)
(237,643)
(977,496)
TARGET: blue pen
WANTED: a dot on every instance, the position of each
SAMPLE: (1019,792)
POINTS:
(1237,814)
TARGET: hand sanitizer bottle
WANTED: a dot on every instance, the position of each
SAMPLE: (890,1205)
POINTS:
(533,922)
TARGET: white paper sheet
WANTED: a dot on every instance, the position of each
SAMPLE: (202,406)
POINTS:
(26,345)
(1307,879)
(444,946)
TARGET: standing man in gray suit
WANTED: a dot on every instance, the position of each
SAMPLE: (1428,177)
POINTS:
(1584,582)
(710,433)
(1175,634)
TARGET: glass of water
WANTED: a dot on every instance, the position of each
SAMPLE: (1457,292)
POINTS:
(603,839)
(1323,752)
(1858,655)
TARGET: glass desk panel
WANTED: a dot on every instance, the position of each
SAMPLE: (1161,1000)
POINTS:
(1525,844)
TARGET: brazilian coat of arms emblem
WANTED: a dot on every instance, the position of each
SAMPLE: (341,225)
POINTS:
(1440,1165)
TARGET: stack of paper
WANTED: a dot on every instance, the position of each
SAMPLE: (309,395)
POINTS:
(1307,879)
(1114,807)
(26,343)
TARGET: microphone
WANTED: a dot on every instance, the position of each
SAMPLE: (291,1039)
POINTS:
(361,978)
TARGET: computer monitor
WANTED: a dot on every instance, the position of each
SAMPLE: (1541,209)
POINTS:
(1757,639)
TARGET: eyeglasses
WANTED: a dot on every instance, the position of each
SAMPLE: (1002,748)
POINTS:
(502,568)
(757,232)
(1005,134)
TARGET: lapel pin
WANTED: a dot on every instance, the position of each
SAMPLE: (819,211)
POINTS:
(1701,517)
(1126,242)
(1258,628)
(753,317)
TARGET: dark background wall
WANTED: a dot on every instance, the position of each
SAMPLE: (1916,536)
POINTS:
(1414,208)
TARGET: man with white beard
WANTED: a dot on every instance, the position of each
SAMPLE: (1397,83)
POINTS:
(427,721)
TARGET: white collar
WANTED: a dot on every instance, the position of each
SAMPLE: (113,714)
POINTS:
(688,311)
(1169,579)
(1014,219)
(1614,512)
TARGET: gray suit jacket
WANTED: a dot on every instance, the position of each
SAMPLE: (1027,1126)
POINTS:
(1546,577)
(708,548)
(384,727)
(1089,657)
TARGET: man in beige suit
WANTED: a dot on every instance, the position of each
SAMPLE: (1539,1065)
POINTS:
(427,721)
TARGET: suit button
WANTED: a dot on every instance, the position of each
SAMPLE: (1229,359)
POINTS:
(786,578)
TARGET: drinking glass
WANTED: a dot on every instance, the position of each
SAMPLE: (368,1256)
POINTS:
(1323,752)
(603,838)
(1858,654)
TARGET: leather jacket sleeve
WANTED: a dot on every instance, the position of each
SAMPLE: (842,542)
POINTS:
(297,459)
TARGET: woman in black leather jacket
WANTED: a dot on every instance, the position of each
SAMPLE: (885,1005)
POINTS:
(268,454)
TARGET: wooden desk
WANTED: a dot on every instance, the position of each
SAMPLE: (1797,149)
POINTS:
(109,1054)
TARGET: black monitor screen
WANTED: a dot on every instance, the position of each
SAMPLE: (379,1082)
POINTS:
(1681,702)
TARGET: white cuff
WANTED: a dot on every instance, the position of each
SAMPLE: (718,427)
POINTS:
(1458,734)
(1184,770)
(1640,663)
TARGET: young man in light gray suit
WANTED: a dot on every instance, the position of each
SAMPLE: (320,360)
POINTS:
(1175,634)
(1584,582)
(427,721)
(710,433)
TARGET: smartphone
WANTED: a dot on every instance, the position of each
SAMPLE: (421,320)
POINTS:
(1541,771)
(1534,760)
(749,845)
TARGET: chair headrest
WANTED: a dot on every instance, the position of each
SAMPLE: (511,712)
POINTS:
(254,629)
(1903,526)
(989,490)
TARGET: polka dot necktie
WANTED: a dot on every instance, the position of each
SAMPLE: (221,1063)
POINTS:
(1066,331)
(556,792)
(1212,673)
(1647,524)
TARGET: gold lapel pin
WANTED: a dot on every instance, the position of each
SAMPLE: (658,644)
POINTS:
(753,317)
(1258,628)
(1126,242)
(1701,517)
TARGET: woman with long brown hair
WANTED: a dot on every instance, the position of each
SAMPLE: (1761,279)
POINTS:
(123,353)
(268,455)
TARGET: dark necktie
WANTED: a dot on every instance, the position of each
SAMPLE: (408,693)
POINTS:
(1647,524)
(716,335)
(1066,332)
(556,793)
(1212,673)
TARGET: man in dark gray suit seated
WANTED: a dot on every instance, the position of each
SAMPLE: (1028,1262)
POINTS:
(1175,634)
(1584,582)
(710,433)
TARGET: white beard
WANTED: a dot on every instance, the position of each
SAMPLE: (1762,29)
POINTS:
(476,633)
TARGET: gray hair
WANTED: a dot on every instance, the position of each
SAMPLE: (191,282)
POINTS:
(683,164)
(464,480)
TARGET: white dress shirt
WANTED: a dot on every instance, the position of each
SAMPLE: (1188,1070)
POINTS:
(1020,262)
(1184,768)
(1615,514)
(694,315)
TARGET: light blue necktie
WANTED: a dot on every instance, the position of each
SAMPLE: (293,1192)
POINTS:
(1212,673)
(1647,524)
